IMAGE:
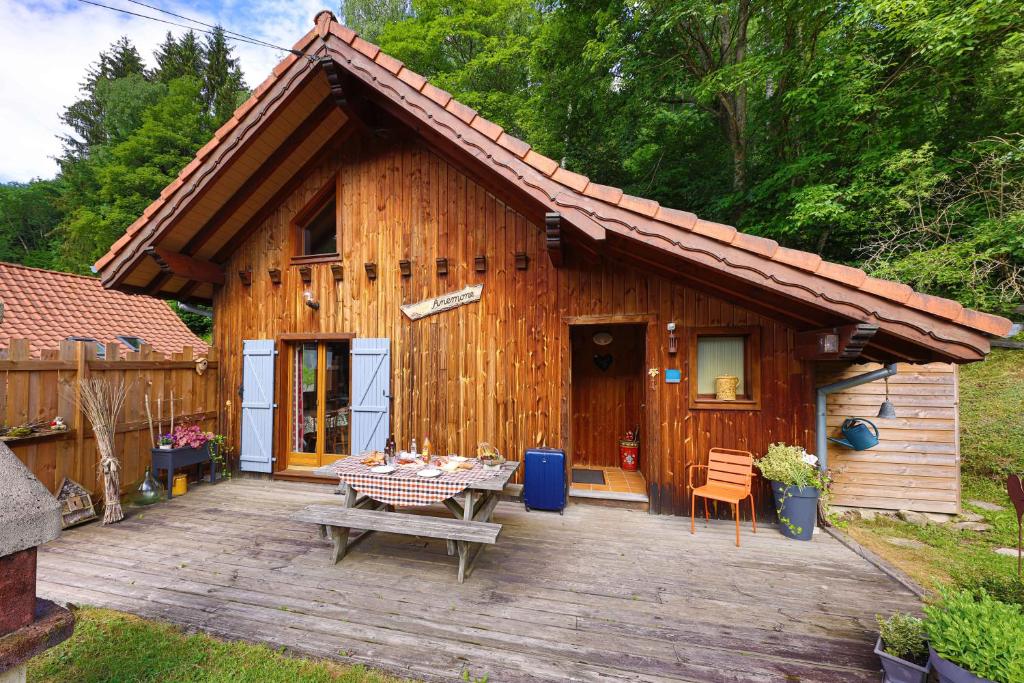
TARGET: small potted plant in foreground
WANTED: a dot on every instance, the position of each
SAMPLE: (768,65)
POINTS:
(165,442)
(902,648)
(974,638)
(796,484)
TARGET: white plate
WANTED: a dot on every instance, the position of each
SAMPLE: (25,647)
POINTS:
(457,458)
(383,469)
(431,472)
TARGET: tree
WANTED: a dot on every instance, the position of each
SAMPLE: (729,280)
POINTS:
(29,215)
(223,84)
(86,116)
(370,17)
(177,57)
(129,175)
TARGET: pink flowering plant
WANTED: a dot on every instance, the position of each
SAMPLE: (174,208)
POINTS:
(191,436)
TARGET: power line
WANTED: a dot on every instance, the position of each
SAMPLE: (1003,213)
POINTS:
(240,36)
(233,35)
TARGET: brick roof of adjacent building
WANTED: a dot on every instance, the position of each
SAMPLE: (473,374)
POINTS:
(46,307)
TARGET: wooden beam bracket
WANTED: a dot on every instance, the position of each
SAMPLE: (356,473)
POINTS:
(245,277)
(275,275)
(405,267)
(553,230)
(522,260)
(480,264)
(371,270)
(192,269)
(306,273)
(442,267)
(845,342)
(337,272)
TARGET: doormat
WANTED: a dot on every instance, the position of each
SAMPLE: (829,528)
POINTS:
(585,476)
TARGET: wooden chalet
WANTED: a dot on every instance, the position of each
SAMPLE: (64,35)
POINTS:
(348,187)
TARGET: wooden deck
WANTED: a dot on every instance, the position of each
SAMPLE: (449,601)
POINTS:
(599,594)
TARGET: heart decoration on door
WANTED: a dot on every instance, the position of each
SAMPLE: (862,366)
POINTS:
(603,361)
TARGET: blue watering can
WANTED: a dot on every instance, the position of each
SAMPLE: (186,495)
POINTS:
(857,435)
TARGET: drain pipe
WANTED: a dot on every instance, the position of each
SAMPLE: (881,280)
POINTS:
(821,435)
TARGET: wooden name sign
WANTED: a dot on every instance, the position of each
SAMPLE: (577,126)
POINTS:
(445,302)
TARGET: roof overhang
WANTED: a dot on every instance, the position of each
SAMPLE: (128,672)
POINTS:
(310,104)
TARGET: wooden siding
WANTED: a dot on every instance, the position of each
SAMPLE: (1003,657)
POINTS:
(37,389)
(496,370)
(916,464)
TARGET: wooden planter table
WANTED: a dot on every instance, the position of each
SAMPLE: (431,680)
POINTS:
(466,534)
(172,458)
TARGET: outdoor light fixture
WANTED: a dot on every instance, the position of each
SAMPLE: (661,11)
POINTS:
(310,301)
(673,340)
(887,409)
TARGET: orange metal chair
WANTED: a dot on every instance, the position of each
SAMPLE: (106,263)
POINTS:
(729,480)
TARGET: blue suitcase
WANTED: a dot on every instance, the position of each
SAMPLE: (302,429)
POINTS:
(544,479)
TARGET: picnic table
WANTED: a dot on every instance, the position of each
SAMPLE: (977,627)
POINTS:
(372,502)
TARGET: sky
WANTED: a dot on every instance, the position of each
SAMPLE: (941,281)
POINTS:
(46,46)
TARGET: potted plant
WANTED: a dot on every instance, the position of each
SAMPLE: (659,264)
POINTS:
(165,442)
(796,484)
(902,648)
(974,638)
(192,437)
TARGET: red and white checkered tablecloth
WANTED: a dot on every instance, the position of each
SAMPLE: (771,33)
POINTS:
(404,487)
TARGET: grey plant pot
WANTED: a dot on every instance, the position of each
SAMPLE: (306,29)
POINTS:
(900,670)
(952,673)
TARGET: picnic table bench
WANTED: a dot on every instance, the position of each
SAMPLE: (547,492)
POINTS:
(467,532)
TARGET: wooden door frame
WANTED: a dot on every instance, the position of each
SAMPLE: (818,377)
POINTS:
(650,433)
(283,345)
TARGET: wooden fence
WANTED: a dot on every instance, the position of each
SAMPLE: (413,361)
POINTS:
(36,389)
(916,464)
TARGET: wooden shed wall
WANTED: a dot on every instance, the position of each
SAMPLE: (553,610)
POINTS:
(916,464)
(494,371)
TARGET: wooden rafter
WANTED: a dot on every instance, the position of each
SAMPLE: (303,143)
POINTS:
(553,232)
(182,265)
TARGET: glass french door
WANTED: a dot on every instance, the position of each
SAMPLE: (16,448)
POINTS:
(319,403)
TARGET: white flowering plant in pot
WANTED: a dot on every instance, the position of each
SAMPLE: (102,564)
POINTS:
(797,484)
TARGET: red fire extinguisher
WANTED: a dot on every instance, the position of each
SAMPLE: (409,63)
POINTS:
(629,451)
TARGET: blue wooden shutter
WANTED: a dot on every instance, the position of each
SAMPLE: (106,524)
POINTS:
(371,394)
(256,452)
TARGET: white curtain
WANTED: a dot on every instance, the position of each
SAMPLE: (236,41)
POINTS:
(718,356)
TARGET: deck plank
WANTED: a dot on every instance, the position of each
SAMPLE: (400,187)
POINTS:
(599,594)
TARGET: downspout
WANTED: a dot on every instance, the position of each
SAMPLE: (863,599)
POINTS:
(821,435)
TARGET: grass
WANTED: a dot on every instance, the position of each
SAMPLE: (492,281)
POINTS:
(110,646)
(992,445)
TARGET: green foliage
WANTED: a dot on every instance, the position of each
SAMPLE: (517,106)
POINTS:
(1002,587)
(792,466)
(979,634)
(903,636)
(201,325)
(29,214)
(110,647)
(992,416)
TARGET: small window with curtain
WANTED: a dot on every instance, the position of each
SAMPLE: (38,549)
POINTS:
(316,227)
(725,368)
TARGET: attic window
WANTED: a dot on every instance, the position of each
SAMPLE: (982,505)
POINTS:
(101,350)
(133,343)
(316,227)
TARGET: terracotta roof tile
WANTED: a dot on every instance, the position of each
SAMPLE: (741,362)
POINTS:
(281,67)
(47,307)
(411,78)
(755,243)
(541,162)
(645,207)
(467,114)
(887,289)
(804,260)
(944,308)
(514,144)
(681,219)
(717,231)
(441,97)
(569,179)
(605,193)
(343,32)
(854,277)
(366,47)
(390,63)
(491,130)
